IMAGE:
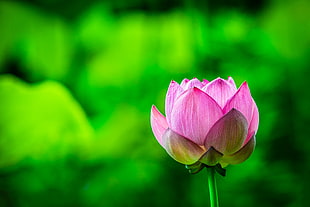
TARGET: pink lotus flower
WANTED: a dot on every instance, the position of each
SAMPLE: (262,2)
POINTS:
(207,122)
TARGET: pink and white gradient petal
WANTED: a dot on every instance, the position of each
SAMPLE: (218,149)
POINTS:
(158,123)
(220,90)
(180,148)
(205,82)
(193,114)
(253,126)
(184,83)
(232,82)
(242,154)
(173,93)
(193,83)
(228,134)
(242,101)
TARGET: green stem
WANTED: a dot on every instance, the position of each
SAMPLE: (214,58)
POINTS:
(212,187)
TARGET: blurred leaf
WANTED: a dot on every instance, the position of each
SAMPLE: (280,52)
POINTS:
(126,134)
(288,26)
(176,49)
(122,48)
(41,43)
(42,122)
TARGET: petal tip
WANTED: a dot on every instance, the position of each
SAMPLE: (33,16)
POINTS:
(205,81)
(158,123)
(244,85)
(172,82)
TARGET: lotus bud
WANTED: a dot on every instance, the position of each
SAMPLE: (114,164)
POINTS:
(207,123)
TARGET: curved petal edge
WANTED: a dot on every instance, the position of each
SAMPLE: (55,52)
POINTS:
(174,90)
(180,148)
(193,114)
(228,134)
(242,101)
(220,90)
(158,123)
(253,126)
(232,82)
(243,154)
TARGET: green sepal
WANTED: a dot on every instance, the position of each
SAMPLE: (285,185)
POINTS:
(198,166)
(211,157)
(195,168)
(220,170)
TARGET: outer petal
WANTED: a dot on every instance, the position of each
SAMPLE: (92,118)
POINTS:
(180,148)
(173,92)
(195,168)
(158,123)
(254,122)
(228,134)
(193,83)
(193,114)
(242,101)
(243,154)
(220,90)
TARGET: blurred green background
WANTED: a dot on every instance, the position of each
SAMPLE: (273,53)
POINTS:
(78,78)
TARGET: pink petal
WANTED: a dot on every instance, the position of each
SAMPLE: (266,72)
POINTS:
(242,101)
(242,155)
(158,123)
(205,82)
(232,82)
(254,122)
(228,134)
(173,92)
(180,148)
(220,90)
(193,114)
(193,83)
(184,83)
